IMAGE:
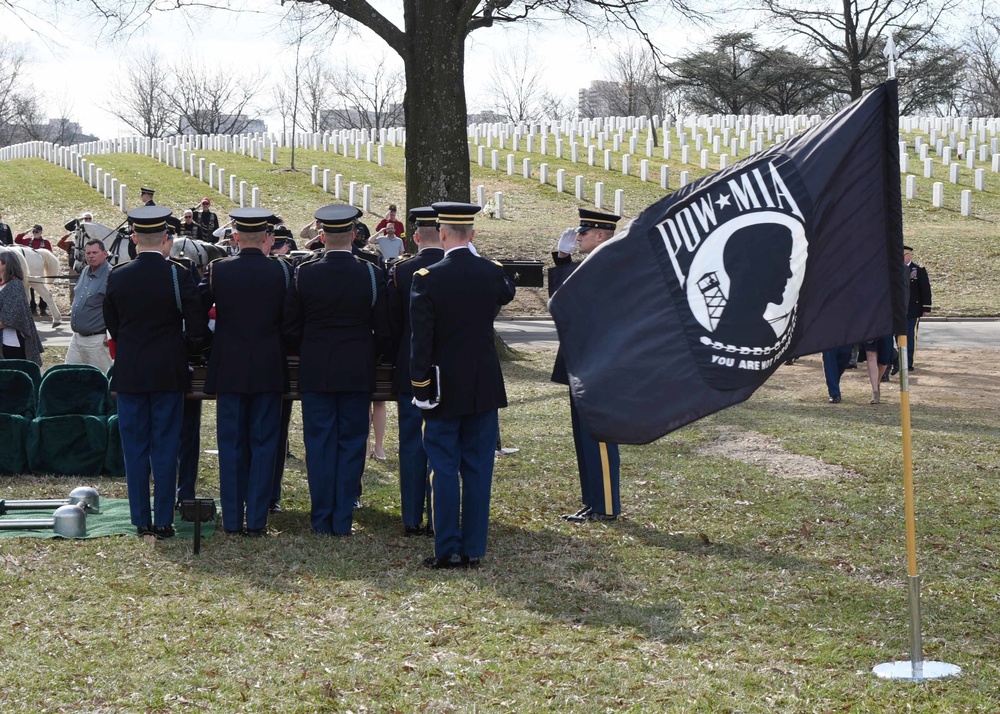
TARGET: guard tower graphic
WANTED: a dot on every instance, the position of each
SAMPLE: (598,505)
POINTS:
(715,300)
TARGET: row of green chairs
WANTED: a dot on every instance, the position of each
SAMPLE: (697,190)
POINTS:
(62,422)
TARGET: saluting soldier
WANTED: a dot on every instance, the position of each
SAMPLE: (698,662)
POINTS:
(599,462)
(414,489)
(336,313)
(150,301)
(246,369)
(457,382)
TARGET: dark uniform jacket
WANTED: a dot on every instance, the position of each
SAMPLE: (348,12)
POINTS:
(209,223)
(400,281)
(452,307)
(248,291)
(330,316)
(564,267)
(920,291)
(6,237)
(141,314)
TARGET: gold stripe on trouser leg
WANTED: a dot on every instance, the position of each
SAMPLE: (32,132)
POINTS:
(430,477)
(609,507)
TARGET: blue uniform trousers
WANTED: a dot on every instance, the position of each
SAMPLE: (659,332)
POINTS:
(189,450)
(247,430)
(834,363)
(911,339)
(414,486)
(335,431)
(461,448)
(150,425)
(600,469)
(279,460)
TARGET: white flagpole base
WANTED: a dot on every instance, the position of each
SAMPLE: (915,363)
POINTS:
(916,672)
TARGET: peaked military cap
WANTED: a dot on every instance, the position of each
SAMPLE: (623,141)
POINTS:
(423,216)
(337,217)
(149,219)
(282,232)
(907,249)
(595,219)
(146,189)
(250,220)
(451,213)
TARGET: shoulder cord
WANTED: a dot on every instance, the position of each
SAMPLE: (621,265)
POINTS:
(371,272)
(177,288)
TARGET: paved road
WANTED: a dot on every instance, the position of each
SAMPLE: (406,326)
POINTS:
(934,334)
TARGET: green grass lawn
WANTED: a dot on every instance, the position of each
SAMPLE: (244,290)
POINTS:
(733,583)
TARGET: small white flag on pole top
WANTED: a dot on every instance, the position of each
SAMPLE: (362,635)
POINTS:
(892,54)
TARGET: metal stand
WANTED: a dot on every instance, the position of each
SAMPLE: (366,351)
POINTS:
(198,510)
(916,670)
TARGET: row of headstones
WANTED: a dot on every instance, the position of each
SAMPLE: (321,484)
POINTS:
(586,129)
(944,150)
(338,188)
(937,195)
(962,126)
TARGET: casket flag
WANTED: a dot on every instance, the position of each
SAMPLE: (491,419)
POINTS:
(700,299)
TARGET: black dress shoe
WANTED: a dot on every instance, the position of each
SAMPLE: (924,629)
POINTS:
(163,531)
(275,507)
(255,532)
(413,530)
(577,517)
(835,400)
(429,531)
(143,531)
(233,533)
(601,517)
(470,563)
(449,562)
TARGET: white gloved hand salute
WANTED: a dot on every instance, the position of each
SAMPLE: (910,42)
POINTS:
(567,242)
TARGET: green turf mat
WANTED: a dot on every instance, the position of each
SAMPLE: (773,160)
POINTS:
(114,519)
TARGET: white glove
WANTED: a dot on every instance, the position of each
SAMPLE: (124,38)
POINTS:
(567,242)
(423,405)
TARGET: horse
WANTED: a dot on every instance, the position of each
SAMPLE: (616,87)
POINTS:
(40,265)
(115,240)
(200,252)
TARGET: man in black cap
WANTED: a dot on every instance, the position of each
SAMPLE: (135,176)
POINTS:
(336,313)
(149,304)
(413,482)
(146,196)
(456,379)
(919,304)
(599,462)
(246,369)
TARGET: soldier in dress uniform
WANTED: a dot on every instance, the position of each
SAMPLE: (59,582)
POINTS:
(336,313)
(149,303)
(919,304)
(414,488)
(146,196)
(599,462)
(246,369)
(279,251)
(457,382)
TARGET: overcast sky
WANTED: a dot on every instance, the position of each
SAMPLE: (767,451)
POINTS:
(73,66)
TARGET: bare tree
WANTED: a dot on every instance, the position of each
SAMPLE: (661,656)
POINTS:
(370,94)
(314,94)
(19,109)
(981,94)
(516,83)
(216,102)
(141,98)
(635,85)
(849,36)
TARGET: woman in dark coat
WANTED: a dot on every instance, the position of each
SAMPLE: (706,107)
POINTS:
(20,338)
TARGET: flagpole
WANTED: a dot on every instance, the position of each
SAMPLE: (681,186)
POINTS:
(917,669)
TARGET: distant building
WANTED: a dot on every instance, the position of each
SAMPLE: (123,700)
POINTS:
(228,124)
(487,116)
(355,118)
(596,100)
(59,131)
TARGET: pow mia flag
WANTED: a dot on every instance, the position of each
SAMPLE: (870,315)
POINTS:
(700,299)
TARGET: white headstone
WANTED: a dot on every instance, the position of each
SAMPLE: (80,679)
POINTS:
(911,186)
(599,195)
(937,194)
(966,202)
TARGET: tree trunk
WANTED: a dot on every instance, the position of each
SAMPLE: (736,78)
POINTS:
(437,151)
